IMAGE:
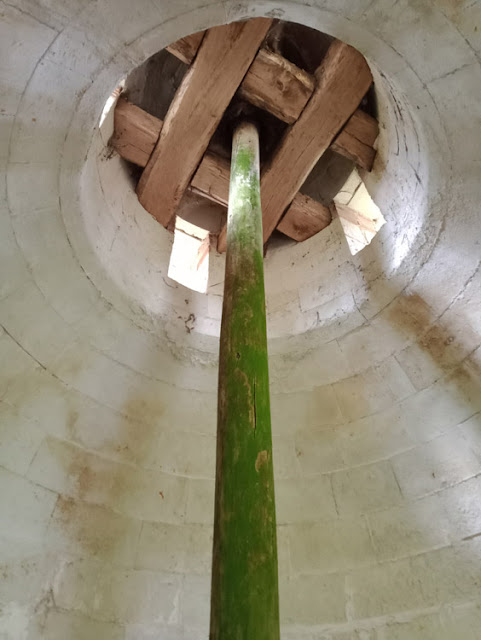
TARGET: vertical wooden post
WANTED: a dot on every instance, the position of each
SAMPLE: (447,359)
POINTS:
(244,597)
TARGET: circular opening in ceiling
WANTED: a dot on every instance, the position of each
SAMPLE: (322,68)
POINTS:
(274,94)
(134,250)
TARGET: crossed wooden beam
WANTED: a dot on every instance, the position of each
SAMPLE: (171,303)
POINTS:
(322,111)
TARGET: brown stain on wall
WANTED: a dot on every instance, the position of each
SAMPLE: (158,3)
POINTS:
(96,518)
(410,313)
(106,469)
(449,347)
(442,342)
(452,9)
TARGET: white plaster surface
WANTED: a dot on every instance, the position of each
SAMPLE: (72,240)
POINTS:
(108,402)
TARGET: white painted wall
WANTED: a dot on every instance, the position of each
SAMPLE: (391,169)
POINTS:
(108,403)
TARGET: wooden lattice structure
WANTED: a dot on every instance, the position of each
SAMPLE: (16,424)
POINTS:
(322,111)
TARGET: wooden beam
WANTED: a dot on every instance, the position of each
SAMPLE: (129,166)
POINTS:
(354,149)
(278,86)
(222,61)
(135,132)
(304,218)
(211,179)
(363,127)
(357,138)
(343,79)
(186,48)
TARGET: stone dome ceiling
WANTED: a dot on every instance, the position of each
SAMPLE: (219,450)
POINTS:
(108,383)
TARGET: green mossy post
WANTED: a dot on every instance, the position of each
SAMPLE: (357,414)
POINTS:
(244,597)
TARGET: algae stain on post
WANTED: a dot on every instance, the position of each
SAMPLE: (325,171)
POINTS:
(244,596)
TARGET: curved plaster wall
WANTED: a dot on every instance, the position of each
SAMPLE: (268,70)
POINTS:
(108,401)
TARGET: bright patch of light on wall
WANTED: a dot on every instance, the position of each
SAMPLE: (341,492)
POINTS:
(111,100)
(189,260)
(359,215)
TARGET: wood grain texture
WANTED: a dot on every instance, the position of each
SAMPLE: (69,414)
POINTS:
(342,80)
(349,147)
(212,179)
(186,48)
(222,61)
(304,218)
(356,140)
(363,127)
(135,132)
(278,86)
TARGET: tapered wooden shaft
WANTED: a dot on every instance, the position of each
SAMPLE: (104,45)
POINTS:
(244,598)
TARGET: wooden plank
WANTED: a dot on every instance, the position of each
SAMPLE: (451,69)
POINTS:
(135,132)
(356,140)
(351,148)
(278,86)
(212,179)
(223,59)
(363,127)
(304,218)
(343,79)
(186,48)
